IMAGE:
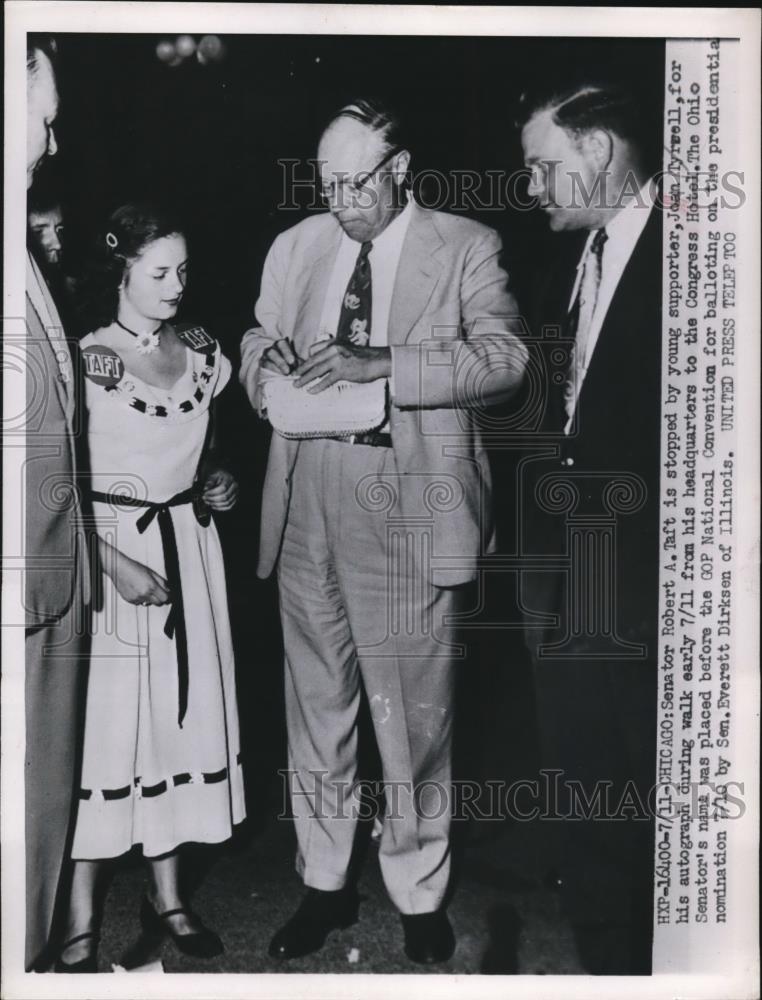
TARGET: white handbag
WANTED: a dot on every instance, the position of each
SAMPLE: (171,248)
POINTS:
(341,410)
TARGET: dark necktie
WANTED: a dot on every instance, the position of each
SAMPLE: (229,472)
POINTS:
(354,320)
(578,324)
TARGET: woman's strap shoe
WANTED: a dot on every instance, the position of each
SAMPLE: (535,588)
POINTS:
(199,944)
(87,964)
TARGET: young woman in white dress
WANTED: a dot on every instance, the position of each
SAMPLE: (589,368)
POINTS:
(161,761)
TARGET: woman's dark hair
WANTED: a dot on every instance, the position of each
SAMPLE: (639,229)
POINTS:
(128,232)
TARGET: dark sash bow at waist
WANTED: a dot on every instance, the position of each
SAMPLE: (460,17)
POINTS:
(175,623)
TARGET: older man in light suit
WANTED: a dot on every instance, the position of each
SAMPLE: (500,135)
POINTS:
(374,536)
(55,563)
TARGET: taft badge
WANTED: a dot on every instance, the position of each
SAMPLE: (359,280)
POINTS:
(196,338)
(102,365)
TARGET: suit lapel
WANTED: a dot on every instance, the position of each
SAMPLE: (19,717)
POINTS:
(615,329)
(310,307)
(417,275)
(566,275)
(51,363)
(418,272)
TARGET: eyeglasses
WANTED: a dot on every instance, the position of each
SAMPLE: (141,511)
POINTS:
(354,189)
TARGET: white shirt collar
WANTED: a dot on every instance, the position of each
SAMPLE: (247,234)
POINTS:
(392,238)
(623,232)
(624,229)
(627,225)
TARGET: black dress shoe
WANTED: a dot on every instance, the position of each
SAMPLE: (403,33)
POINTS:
(87,964)
(319,913)
(200,944)
(428,937)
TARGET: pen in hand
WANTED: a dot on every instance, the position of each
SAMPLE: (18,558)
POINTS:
(281,357)
(295,360)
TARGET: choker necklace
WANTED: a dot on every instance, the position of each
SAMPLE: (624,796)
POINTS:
(147,342)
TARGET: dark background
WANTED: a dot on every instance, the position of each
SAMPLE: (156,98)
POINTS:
(207,139)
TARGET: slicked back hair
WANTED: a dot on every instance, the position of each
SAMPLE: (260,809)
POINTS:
(377,115)
(580,109)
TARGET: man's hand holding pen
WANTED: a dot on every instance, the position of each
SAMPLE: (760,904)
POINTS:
(281,357)
(329,361)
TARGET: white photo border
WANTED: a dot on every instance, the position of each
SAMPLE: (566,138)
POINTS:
(304,19)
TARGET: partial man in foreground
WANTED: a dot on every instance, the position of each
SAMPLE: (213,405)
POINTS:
(55,562)
(375,534)
(591,151)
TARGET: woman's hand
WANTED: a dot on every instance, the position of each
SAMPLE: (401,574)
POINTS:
(220,490)
(135,582)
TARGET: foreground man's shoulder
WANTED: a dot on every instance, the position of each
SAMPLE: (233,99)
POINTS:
(306,231)
(459,229)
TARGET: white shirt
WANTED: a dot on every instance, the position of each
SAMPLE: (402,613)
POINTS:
(384,259)
(623,233)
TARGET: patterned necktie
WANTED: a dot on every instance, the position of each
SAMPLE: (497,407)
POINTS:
(580,321)
(354,320)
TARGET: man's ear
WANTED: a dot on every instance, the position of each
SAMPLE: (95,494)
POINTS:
(599,146)
(400,166)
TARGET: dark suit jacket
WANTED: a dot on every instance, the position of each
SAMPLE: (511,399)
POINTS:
(616,438)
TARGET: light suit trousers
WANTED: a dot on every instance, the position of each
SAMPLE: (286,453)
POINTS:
(358,609)
(55,685)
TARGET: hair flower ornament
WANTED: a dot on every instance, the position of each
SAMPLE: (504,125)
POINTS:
(112,241)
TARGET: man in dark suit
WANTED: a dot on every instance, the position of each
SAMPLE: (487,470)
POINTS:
(589,509)
(55,561)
